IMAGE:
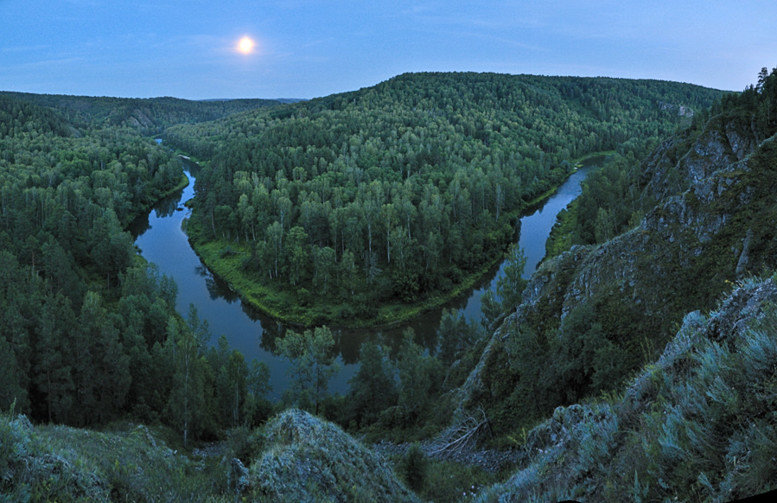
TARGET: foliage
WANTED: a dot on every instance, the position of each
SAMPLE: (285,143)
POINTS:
(399,192)
(313,363)
(414,467)
(697,424)
(88,330)
(147,115)
(374,387)
(509,287)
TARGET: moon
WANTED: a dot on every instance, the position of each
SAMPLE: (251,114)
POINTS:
(246,45)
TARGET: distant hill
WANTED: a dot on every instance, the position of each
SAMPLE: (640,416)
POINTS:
(149,115)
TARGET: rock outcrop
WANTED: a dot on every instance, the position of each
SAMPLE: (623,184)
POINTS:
(694,422)
(701,234)
(309,459)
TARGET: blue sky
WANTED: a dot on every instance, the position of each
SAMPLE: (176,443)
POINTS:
(315,48)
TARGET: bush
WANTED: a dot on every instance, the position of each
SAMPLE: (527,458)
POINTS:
(414,467)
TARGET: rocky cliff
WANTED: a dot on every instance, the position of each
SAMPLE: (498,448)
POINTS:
(298,458)
(714,196)
(698,424)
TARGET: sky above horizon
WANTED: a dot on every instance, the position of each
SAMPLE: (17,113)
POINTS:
(306,49)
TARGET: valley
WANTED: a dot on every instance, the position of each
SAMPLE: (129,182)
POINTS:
(426,272)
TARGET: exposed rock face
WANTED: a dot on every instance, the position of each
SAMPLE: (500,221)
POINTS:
(698,233)
(309,459)
(674,427)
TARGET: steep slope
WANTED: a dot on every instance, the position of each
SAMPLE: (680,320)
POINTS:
(697,425)
(300,458)
(308,459)
(596,313)
(58,463)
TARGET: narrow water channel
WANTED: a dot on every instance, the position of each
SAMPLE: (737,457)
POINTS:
(162,241)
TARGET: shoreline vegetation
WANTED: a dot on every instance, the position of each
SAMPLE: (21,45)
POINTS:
(224,258)
(362,204)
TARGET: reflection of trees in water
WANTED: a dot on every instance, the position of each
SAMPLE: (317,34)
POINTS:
(167,206)
(218,289)
(271,331)
(139,226)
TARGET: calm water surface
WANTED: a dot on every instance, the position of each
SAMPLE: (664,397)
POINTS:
(163,242)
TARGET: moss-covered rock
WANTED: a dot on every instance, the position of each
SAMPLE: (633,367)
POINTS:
(308,459)
(696,425)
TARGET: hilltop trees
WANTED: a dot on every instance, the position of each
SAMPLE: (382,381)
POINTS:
(396,193)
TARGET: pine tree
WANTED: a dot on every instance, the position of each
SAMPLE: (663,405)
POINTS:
(52,374)
(186,402)
(313,364)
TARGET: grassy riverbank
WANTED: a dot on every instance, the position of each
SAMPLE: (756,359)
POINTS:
(302,307)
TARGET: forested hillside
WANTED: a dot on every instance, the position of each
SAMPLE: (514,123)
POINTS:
(695,217)
(88,330)
(389,198)
(148,115)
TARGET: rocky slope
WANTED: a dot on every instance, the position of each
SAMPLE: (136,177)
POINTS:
(715,196)
(698,424)
(308,459)
(299,458)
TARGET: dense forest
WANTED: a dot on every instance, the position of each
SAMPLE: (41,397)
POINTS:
(88,329)
(349,208)
(614,198)
(146,115)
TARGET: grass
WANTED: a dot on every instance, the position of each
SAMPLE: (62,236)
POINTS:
(283,305)
(59,463)
(298,308)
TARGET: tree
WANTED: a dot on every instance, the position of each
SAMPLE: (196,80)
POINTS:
(454,335)
(414,466)
(324,262)
(186,402)
(373,388)
(104,368)
(256,406)
(313,364)
(53,377)
(510,286)
(490,308)
(419,376)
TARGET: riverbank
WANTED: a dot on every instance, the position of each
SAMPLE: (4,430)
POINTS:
(225,260)
(560,237)
(146,208)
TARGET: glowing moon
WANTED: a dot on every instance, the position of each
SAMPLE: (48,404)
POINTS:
(246,45)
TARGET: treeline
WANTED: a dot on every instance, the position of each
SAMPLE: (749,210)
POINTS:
(613,198)
(399,191)
(147,115)
(401,390)
(404,389)
(601,341)
(88,330)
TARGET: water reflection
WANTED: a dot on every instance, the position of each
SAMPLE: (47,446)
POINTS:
(160,237)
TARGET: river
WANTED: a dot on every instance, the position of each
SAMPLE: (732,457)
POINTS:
(162,241)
